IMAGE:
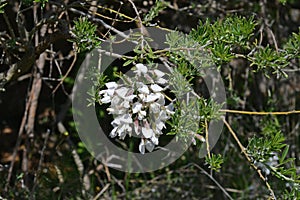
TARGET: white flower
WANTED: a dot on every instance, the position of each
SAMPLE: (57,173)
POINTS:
(111,85)
(140,68)
(143,89)
(156,88)
(105,99)
(142,146)
(148,78)
(123,130)
(138,106)
(154,139)
(116,101)
(161,100)
(123,119)
(108,94)
(152,97)
(146,144)
(113,133)
(158,73)
(125,104)
(154,107)
(142,114)
(122,92)
(147,132)
(149,146)
(160,125)
(115,111)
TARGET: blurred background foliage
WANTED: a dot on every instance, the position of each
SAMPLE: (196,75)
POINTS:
(254,44)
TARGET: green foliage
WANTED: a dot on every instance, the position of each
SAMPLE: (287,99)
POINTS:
(292,47)
(185,121)
(154,11)
(179,85)
(84,35)
(43,2)
(98,83)
(189,55)
(263,148)
(283,1)
(230,38)
(2,7)
(214,161)
(269,152)
(234,30)
(269,60)
(30,2)
(224,36)
(209,109)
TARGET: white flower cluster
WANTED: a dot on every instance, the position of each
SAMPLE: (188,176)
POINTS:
(138,106)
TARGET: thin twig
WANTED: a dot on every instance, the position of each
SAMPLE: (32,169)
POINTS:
(100,21)
(260,112)
(117,20)
(140,22)
(102,191)
(206,139)
(214,180)
(36,175)
(274,39)
(67,73)
(10,29)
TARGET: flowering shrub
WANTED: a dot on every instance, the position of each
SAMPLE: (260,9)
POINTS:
(138,105)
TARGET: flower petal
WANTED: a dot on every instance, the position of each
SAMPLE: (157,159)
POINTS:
(142,146)
(125,104)
(163,115)
(158,73)
(142,114)
(141,68)
(143,89)
(147,132)
(160,125)
(154,139)
(105,99)
(130,97)
(149,146)
(161,100)
(152,97)
(148,78)
(122,92)
(136,126)
(111,85)
(136,107)
(161,81)
(156,88)
(116,101)
(126,118)
(116,121)
(154,107)
(113,133)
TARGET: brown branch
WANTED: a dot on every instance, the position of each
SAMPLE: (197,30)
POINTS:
(32,54)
